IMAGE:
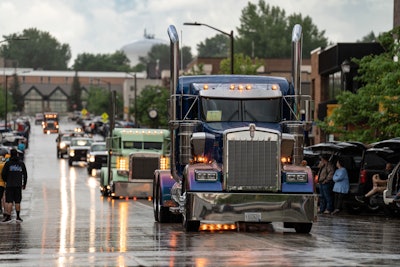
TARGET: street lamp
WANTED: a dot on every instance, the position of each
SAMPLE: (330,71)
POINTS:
(14,39)
(228,34)
(345,71)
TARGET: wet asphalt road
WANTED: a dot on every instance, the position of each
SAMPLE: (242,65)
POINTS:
(68,223)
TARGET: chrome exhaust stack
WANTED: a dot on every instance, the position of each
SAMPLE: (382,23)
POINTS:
(297,128)
(174,68)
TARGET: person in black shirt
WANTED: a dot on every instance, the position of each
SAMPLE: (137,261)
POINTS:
(15,176)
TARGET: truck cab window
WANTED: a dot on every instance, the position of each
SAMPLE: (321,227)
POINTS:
(228,110)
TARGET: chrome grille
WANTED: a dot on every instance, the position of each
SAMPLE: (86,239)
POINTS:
(252,163)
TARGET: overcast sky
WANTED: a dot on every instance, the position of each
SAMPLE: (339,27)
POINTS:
(104,26)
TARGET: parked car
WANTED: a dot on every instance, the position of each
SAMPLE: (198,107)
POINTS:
(97,156)
(374,162)
(351,153)
(78,149)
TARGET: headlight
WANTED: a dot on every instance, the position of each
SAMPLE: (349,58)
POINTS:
(164,163)
(122,163)
(62,145)
(72,153)
(206,176)
(92,158)
(296,177)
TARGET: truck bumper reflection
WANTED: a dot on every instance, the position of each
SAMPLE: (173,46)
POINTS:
(250,207)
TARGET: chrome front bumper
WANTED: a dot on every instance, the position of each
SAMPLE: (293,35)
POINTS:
(138,188)
(251,207)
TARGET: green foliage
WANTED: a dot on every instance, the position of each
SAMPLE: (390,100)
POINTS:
(161,53)
(75,100)
(218,46)
(102,62)
(99,100)
(369,38)
(152,97)
(10,102)
(242,65)
(372,113)
(265,32)
(39,51)
(14,90)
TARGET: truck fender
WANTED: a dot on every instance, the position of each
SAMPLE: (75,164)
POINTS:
(164,179)
(104,176)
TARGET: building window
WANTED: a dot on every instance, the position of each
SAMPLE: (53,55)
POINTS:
(335,85)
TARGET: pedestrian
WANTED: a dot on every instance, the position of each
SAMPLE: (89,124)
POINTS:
(341,186)
(2,183)
(379,184)
(15,176)
(325,175)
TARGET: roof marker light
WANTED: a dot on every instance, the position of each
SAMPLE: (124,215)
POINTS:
(232,87)
(205,87)
(275,87)
(248,86)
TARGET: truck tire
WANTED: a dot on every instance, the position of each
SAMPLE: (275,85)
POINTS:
(161,213)
(189,225)
(103,188)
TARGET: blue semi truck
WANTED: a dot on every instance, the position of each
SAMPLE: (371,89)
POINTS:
(236,146)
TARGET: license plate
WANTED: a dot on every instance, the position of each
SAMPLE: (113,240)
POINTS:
(252,217)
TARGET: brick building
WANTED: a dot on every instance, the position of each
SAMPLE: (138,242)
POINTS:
(50,90)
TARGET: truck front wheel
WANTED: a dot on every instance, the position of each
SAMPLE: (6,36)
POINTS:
(161,213)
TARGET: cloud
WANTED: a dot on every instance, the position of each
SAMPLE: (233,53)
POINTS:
(104,26)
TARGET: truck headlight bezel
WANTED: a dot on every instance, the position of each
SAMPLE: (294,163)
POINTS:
(296,177)
(206,175)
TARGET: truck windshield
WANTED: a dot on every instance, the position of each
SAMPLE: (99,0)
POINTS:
(261,110)
(142,145)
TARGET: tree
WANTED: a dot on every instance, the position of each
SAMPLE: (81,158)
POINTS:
(102,62)
(152,97)
(217,46)
(243,65)
(372,113)
(99,100)
(159,57)
(39,51)
(369,38)
(15,90)
(312,37)
(75,101)
(266,32)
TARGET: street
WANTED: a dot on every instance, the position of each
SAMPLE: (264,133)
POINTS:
(68,223)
